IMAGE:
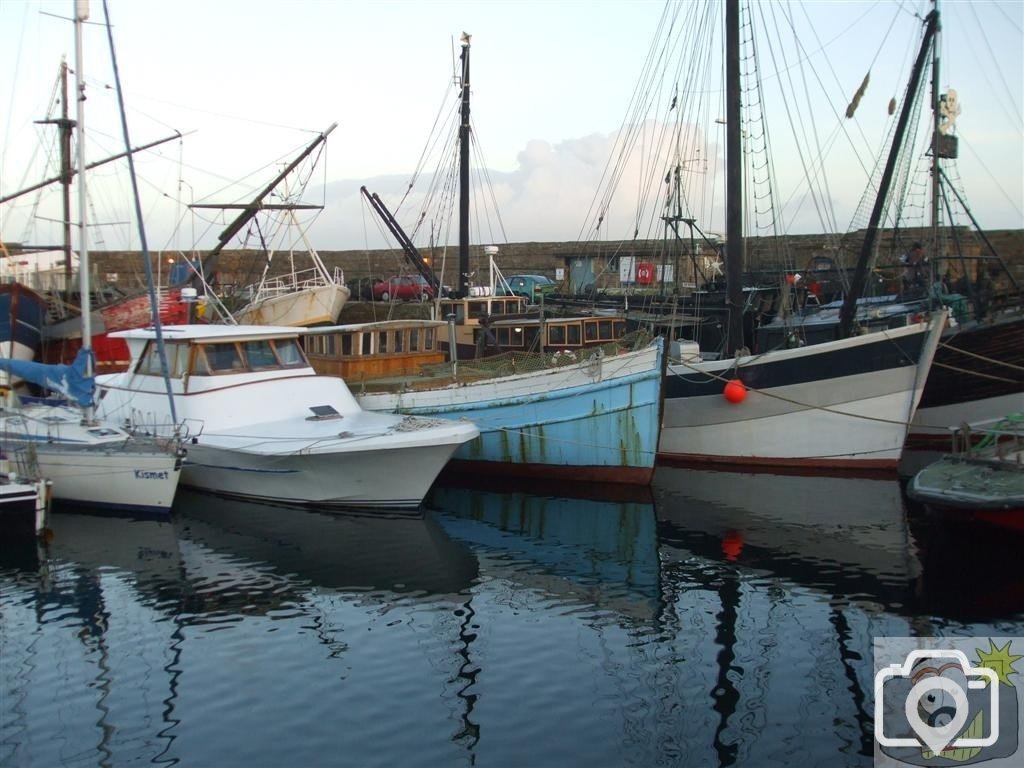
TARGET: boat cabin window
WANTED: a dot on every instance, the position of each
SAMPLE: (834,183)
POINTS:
(259,354)
(564,334)
(506,306)
(358,343)
(510,338)
(177,360)
(223,357)
(289,353)
(256,355)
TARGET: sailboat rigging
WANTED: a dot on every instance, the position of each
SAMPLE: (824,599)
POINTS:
(844,405)
(89,460)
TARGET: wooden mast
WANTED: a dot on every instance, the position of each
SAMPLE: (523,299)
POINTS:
(733,178)
(849,308)
(464,173)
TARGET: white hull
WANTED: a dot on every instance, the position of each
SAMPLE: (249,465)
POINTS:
(310,306)
(99,464)
(112,479)
(830,419)
(394,478)
(25,497)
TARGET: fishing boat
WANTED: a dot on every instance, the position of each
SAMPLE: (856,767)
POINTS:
(308,293)
(261,424)
(978,370)
(983,475)
(845,404)
(574,398)
(303,295)
(22,316)
(88,460)
(592,417)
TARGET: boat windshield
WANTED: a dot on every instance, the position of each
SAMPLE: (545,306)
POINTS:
(224,357)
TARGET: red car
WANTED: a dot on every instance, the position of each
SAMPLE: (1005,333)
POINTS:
(405,287)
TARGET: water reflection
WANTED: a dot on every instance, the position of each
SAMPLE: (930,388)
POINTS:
(807,570)
(583,549)
(716,619)
(847,536)
(339,551)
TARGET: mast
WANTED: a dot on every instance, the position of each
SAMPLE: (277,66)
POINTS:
(849,308)
(464,172)
(81,14)
(65,126)
(733,178)
(936,180)
(251,209)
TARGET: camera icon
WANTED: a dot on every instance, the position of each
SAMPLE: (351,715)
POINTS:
(936,700)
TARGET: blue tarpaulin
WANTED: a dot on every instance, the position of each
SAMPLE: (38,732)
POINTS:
(69,380)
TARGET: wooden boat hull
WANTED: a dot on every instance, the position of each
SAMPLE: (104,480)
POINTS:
(22,317)
(841,405)
(311,306)
(978,374)
(62,340)
(595,420)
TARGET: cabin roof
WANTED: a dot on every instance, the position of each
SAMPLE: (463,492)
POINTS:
(377,325)
(204,332)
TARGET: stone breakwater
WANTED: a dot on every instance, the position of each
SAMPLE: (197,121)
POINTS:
(241,267)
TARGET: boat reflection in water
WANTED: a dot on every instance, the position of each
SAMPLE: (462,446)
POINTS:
(720,619)
(848,535)
(345,551)
(807,572)
(597,548)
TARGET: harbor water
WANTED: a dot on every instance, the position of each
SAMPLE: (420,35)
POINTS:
(715,619)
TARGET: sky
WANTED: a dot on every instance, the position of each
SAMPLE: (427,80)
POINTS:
(248,84)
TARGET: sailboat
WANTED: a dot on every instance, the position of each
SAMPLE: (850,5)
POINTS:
(845,404)
(88,461)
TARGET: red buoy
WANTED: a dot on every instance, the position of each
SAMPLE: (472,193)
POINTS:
(735,391)
(732,545)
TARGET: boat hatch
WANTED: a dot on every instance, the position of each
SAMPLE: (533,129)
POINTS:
(323,413)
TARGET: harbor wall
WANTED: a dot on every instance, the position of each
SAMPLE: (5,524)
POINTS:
(360,267)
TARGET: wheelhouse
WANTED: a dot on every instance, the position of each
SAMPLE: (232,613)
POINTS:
(371,350)
(220,357)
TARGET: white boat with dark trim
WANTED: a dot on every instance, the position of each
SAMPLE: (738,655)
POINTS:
(262,424)
(843,404)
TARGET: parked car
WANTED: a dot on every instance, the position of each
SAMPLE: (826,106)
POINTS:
(528,286)
(404,287)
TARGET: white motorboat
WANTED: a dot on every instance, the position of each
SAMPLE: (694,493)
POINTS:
(262,424)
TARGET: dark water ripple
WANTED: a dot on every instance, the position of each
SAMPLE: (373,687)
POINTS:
(727,620)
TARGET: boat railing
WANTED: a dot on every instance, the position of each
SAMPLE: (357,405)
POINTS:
(24,462)
(298,281)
